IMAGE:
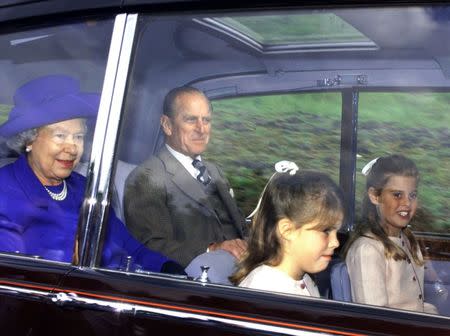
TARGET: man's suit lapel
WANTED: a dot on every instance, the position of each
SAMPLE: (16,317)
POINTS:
(224,192)
(184,181)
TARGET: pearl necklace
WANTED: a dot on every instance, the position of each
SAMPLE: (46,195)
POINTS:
(61,196)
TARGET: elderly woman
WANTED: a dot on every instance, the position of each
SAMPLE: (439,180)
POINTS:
(40,194)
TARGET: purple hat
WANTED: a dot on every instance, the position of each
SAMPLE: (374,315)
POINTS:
(47,100)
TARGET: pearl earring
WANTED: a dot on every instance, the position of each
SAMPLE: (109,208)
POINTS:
(28,149)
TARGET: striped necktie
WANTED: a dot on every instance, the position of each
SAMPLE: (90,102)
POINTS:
(203,176)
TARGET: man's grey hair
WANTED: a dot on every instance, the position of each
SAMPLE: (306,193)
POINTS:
(19,142)
(169,106)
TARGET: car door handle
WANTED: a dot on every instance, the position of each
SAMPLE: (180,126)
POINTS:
(72,300)
(63,298)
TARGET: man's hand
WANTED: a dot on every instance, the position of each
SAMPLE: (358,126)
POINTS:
(236,247)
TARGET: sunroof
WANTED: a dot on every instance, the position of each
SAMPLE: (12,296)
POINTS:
(298,29)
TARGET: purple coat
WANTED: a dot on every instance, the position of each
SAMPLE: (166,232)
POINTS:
(31,222)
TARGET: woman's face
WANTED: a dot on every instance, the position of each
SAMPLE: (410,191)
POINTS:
(396,204)
(56,150)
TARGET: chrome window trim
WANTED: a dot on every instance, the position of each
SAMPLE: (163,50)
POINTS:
(95,206)
(72,299)
(25,293)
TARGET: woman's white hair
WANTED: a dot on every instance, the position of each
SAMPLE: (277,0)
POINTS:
(19,141)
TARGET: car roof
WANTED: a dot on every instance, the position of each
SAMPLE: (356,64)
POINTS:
(402,47)
(11,10)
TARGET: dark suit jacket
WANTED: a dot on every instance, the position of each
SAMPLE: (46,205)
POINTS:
(167,209)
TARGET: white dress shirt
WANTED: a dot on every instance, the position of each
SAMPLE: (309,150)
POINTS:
(186,161)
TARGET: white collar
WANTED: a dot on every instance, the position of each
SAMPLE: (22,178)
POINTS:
(185,160)
(303,285)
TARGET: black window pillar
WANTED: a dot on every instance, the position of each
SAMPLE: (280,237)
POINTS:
(347,175)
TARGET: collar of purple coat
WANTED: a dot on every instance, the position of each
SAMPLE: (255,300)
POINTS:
(34,189)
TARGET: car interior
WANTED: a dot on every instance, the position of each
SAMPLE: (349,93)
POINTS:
(225,59)
(401,50)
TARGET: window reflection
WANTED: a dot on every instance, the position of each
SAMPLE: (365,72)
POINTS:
(48,107)
(275,103)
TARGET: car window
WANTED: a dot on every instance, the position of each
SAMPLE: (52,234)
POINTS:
(416,125)
(51,80)
(327,90)
(251,134)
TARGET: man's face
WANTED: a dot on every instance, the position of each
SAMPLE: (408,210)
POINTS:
(188,130)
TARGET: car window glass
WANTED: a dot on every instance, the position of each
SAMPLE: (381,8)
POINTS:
(278,92)
(51,80)
(251,134)
(415,125)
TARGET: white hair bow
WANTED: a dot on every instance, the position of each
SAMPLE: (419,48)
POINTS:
(286,166)
(366,169)
(280,167)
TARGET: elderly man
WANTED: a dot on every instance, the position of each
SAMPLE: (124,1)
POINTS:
(176,203)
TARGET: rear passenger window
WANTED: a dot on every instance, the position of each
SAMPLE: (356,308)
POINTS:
(327,90)
(251,134)
(416,125)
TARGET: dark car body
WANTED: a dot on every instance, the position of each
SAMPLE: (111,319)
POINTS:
(133,52)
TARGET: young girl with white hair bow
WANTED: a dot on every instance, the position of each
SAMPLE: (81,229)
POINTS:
(293,233)
(383,257)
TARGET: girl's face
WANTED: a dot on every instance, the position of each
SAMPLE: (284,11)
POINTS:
(308,250)
(396,204)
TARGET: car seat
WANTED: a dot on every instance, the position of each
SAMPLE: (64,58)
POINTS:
(340,282)
(123,169)
(221,265)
